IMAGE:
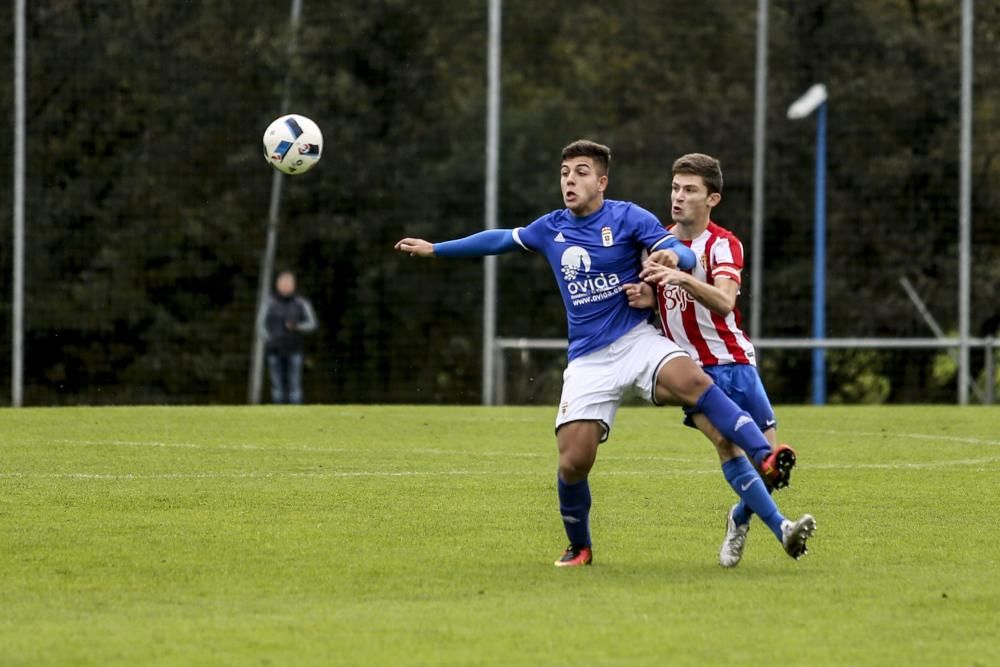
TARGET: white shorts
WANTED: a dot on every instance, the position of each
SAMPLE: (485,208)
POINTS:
(595,384)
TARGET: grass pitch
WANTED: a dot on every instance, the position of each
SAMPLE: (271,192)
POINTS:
(425,536)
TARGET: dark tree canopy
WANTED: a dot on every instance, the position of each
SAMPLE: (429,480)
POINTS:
(147,195)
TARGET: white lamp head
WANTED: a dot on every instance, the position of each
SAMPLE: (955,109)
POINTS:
(808,103)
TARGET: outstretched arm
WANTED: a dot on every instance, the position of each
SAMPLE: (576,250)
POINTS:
(489,242)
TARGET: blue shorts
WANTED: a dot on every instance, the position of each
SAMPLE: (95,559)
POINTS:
(741,382)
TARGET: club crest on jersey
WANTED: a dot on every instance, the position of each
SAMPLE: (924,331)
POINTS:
(606,239)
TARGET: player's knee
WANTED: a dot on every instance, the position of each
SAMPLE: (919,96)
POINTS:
(692,385)
(574,467)
(578,442)
(683,381)
(572,475)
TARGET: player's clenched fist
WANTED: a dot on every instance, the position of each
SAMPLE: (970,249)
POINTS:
(640,295)
(416,247)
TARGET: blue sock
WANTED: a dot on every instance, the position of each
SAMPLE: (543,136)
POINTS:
(750,488)
(742,514)
(574,505)
(735,424)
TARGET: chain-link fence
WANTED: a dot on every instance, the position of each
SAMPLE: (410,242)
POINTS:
(147,194)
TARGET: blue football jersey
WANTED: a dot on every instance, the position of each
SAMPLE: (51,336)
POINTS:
(591,258)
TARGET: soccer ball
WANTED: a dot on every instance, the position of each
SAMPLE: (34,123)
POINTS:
(293,144)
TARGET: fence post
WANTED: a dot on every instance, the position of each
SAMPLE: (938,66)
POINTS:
(989,370)
(499,375)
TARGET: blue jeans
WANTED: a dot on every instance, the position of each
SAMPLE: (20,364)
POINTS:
(286,377)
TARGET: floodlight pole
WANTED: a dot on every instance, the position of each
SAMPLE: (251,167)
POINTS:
(17,316)
(819,261)
(815,99)
(965,207)
(270,246)
(759,156)
(492,197)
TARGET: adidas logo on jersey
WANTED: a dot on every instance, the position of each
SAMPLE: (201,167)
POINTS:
(560,238)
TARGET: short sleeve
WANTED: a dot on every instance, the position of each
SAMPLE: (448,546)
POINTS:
(530,237)
(646,228)
(726,260)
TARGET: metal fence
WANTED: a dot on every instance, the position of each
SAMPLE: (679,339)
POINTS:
(982,389)
(138,210)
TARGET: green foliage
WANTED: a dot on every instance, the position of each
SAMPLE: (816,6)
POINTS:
(944,371)
(147,196)
(367,535)
(856,377)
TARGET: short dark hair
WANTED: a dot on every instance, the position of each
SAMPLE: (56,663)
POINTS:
(599,153)
(699,164)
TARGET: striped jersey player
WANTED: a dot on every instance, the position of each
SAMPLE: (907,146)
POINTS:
(711,338)
(698,312)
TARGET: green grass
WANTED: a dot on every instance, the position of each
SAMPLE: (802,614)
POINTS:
(425,535)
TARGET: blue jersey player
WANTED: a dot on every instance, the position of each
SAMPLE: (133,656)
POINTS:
(595,246)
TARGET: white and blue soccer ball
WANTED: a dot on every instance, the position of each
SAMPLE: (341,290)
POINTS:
(293,144)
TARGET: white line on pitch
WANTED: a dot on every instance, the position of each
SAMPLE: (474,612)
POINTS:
(912,436)
(255,475)
(904,465)
(193,445)
(332,474)
(342,450)
(525,455)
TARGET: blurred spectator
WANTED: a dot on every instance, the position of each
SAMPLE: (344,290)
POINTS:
(286,318)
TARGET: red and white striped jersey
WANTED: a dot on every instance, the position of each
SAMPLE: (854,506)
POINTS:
(710,339)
